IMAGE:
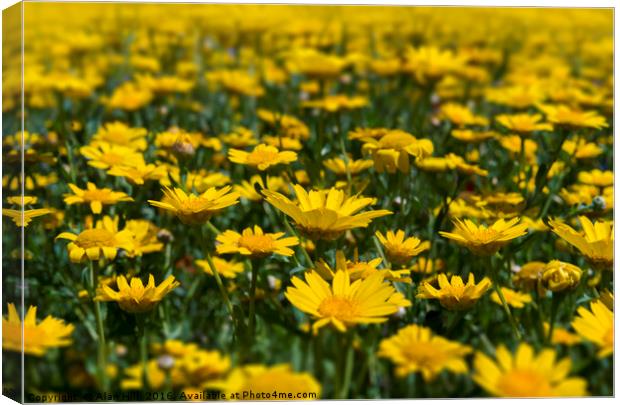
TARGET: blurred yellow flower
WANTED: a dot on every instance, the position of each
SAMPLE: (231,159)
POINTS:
(523,124)
(32,337)
(119,133)
(526,374)
(102,241)
(416,348)
(392,150)
(595,242)
(95,197)
(24,218)
(597,326)
(513,298)
(571,117)
(226,268)
(256,380)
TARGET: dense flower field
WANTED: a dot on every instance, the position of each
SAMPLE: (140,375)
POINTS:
(299,202)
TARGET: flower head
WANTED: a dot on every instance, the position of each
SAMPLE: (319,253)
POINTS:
(597,178)
(571,117)
(523,124)
(559,276)
(102,241)
(255,243)
(259,378)
(23,218)
(484,241)
(324,214)
(596,242)
(118,133)
(134,296)
(95,197)
(454,294)
(391,151)
(417,349)
(343,304)
(597,326)
(196,209)
(513,298)
(399,249)
(227,268)
(104,156)
(527,374)
(38,338)
(262,157)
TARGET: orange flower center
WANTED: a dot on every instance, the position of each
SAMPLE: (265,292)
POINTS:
(95,238)
(485,235)
(524,383)
(339,308)
(264,155)
(96,195)
(256,243)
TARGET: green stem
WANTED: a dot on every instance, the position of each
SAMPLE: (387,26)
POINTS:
(219,283)
(143,340)
(498,290)
(348,367)
(101,343)
(252,314)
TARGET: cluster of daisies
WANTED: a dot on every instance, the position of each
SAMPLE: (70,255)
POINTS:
(333,206)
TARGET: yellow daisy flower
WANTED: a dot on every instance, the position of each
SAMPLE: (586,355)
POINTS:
(461,115)
(416,348)
(226,268)
(423,265)
(95,197)
(262,157)
(23,218)
(596,326)
(135,297)
(454,294)
(254,381)
(104,156)
(561,336)
(340,167)
(571,117)
(324,214)
(471,136)
(247,189)
(102,241)
(283,142)
(597,178)
(343,304)
(139,172)
(596,242)
(400,250)
(359,269)
(529,275)
(255,243)
(119,133)
(144,237)
(392,150)
(22,200)
(483,241)
(513,298)
(526,374)
(240,137)
(38,338)
(523,124)
(580,148)
(196,209)
(559,276)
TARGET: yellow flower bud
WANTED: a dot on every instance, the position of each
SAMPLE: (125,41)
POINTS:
(559,276)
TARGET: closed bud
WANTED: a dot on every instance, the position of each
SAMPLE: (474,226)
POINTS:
(560,276)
